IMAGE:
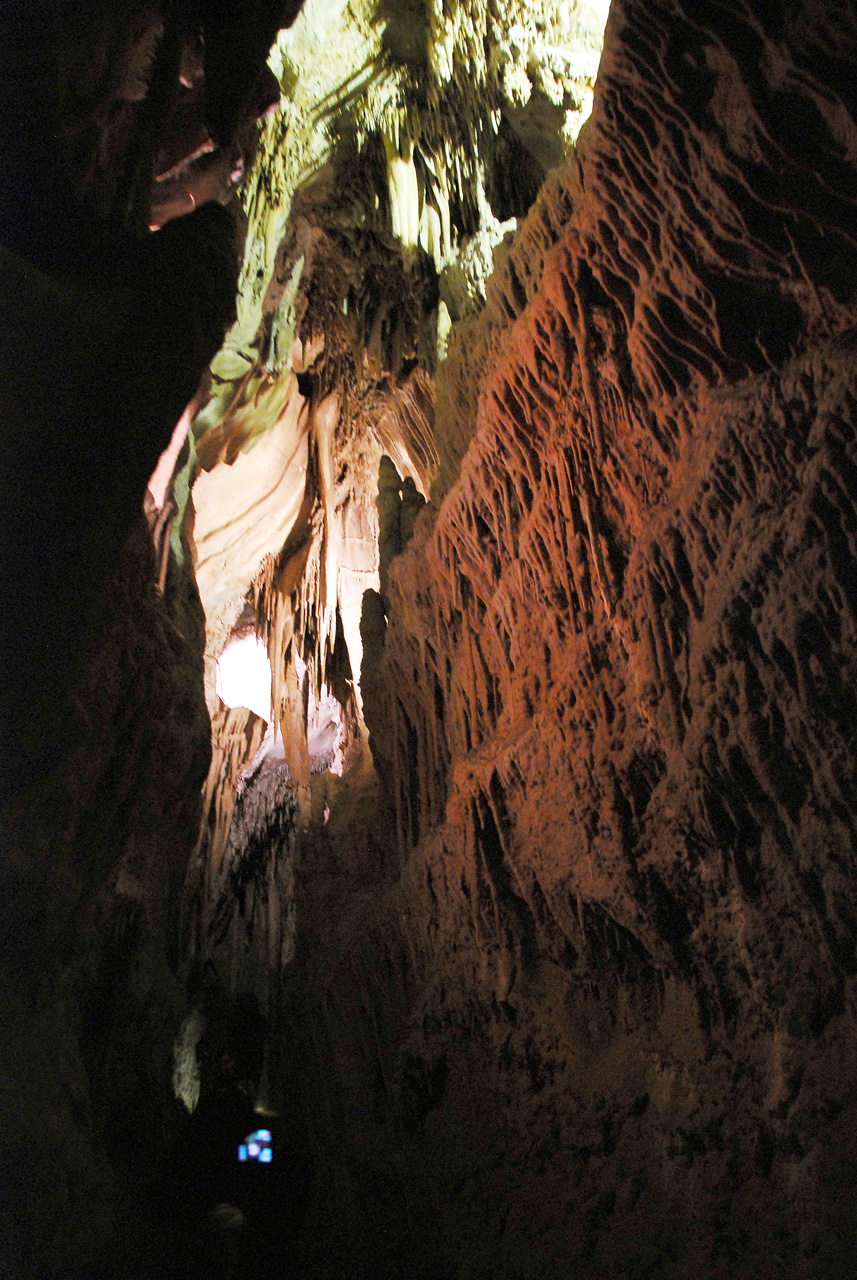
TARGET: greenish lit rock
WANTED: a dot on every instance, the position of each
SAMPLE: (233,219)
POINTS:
(402,121)
(411,140)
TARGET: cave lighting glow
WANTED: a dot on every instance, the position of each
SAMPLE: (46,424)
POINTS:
(243,677)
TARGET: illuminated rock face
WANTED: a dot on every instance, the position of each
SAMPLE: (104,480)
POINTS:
(374,204)
(246,506)
(615,706)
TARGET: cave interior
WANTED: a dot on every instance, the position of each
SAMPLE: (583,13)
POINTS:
(430,602)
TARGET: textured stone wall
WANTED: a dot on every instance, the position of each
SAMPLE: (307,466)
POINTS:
(93,863)
(606,1016)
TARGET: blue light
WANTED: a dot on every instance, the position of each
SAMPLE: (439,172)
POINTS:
(257,1146)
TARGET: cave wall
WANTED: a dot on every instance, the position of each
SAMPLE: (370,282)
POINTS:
(94,859)
(601,1021)
(105,736)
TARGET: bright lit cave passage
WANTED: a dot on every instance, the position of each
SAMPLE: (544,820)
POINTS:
(244,679)
(409,145)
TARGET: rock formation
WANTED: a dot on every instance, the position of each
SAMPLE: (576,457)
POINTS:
(558,963)
(609,663)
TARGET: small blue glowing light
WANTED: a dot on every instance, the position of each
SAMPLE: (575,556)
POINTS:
(257,1146)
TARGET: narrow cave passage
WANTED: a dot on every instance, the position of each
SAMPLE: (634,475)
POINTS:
(427,798)
(311,453)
